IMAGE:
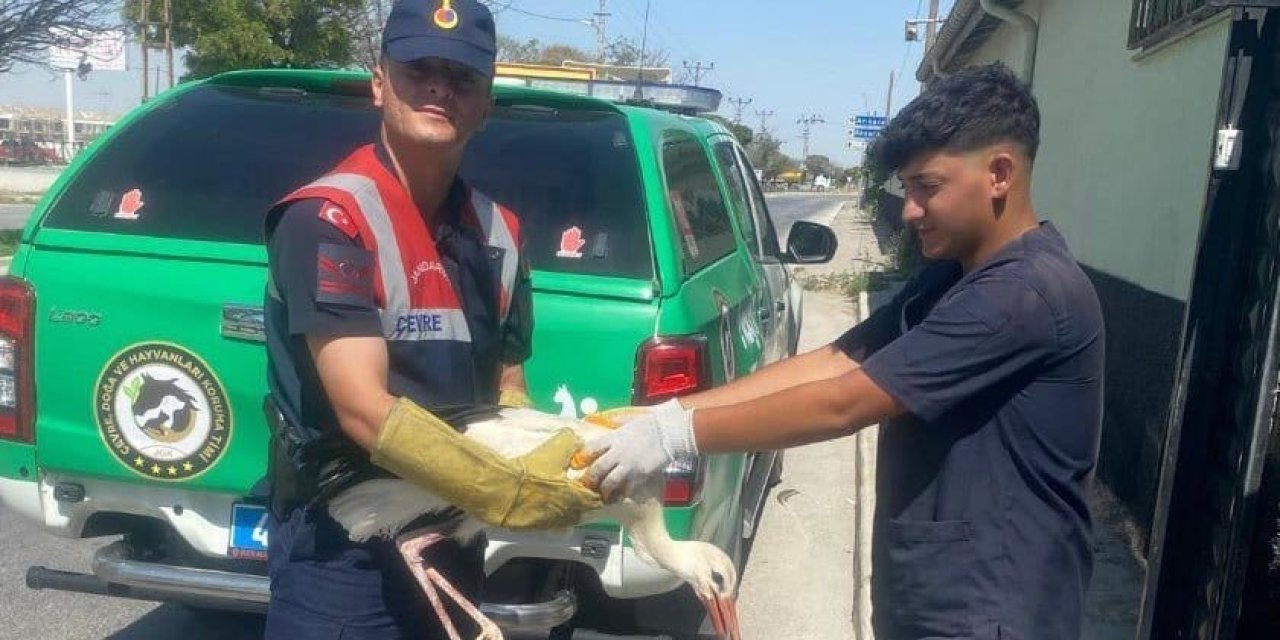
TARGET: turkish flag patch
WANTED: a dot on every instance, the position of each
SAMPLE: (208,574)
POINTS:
(336,216)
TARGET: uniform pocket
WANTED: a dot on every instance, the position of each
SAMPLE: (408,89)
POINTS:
(930,579)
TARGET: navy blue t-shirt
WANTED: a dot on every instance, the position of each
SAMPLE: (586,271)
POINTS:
(982,517)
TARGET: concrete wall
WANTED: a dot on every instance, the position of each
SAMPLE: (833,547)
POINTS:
(1122,172)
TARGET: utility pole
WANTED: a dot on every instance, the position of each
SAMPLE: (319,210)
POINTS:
(144,38)
(738,105)
(807,123)
(168,37)
(931,27)
(764,120)
(931,31)
(888,101)
(600,21)
(165,25)
(698,70)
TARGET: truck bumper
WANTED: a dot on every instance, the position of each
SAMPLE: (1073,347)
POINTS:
(117,573)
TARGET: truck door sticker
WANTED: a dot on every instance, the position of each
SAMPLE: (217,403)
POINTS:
(162,412)
(568,408)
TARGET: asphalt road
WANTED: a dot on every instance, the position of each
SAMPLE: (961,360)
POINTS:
(786,208)
(36,615)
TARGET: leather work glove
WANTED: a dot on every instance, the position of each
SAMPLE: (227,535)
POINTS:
(641,449)
(530,492)
(515,398)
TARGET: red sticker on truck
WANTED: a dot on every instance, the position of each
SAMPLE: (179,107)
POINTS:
(130,203)
(571,244)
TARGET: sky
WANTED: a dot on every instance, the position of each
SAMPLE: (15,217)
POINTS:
(830,58)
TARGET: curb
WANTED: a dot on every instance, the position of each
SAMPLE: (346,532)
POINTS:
(865,467)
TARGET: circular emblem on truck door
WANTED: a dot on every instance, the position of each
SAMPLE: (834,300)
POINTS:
(162,411)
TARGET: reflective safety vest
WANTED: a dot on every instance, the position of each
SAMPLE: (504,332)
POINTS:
(418,303)
(411,282)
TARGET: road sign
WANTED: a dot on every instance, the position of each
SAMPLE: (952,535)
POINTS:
(870,122)
(867,127)
(104,51)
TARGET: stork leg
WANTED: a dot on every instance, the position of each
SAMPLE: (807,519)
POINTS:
(411,548)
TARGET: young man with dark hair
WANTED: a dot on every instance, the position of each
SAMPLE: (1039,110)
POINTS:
(987,369)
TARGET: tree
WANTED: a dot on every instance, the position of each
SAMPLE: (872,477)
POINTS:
(622,53)
(512,50)
(366,23)
(851,175)
(556,55)
(765,153)
(225,35)
(625,52)
(743,133)
(818,165)
(28,28)
(532,51)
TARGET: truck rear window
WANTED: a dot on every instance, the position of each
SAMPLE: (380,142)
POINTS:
(209,164)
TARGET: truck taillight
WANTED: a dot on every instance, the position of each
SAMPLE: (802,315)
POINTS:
(670,367)
(17,380)
(684,482)
(667,368)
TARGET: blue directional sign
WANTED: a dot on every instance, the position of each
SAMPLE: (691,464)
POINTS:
(868,127)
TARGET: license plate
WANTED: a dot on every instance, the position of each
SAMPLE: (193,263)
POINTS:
(248,532)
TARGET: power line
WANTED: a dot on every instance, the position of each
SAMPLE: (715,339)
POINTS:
(807,122)
(600,21)
(543,16)
(738,105)
(764,119)
(698,70)
(910,43)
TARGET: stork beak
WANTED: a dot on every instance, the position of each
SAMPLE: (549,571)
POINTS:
(724,616)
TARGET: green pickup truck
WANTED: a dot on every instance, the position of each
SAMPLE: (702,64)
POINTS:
(132,369)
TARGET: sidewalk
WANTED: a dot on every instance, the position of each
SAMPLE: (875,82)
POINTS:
(801,580)
(860,251)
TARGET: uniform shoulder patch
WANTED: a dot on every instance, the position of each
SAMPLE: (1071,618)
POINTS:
(338,217)
(344,275)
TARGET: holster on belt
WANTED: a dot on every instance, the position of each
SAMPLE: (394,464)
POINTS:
(289,488)
(306,469)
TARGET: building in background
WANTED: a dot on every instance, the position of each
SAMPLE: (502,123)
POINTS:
(34,135)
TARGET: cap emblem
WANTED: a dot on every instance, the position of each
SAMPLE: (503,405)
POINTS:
(445,17)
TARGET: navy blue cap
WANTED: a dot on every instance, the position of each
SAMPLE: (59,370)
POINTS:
(457,30)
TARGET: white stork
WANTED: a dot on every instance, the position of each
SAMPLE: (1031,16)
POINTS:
(385,508)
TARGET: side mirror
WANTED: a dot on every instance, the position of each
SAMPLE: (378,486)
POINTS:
(810,243)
